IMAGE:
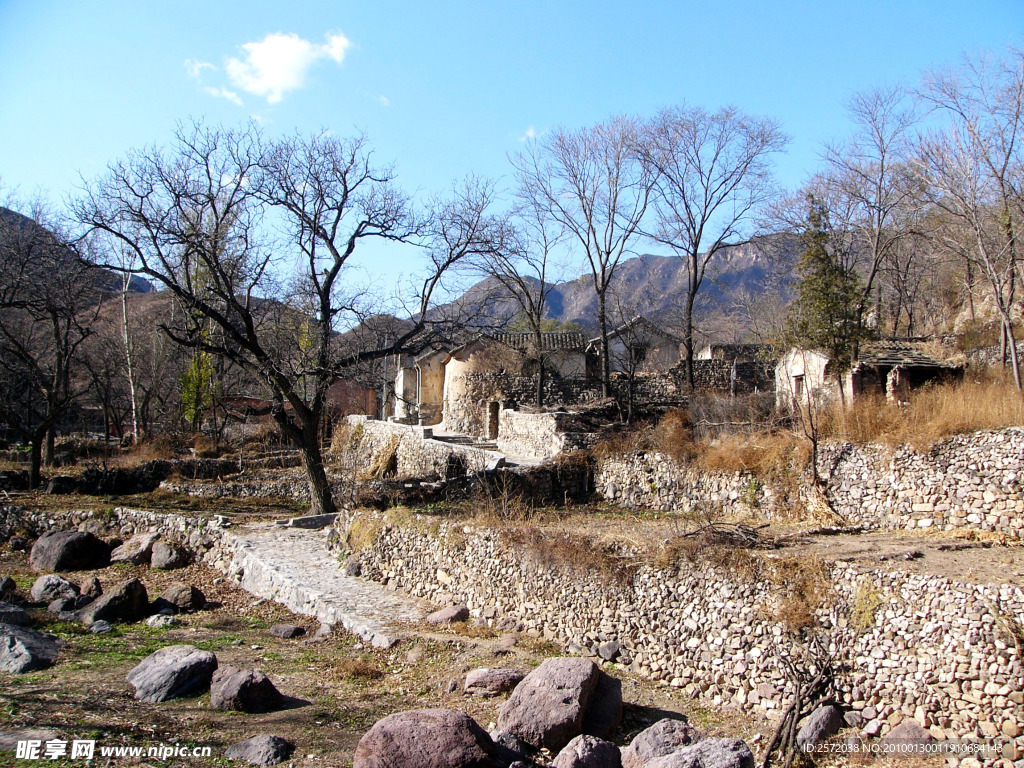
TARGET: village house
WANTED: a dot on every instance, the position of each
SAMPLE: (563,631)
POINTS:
(637,346)
(890,367)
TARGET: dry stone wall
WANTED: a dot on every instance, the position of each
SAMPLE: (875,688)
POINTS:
(924,647)
(416,452)
(973,482)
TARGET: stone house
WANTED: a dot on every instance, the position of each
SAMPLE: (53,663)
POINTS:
(637,346)
(463,387)
(890,367)
(741,353)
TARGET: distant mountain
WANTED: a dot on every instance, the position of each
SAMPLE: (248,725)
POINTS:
(655,287)
(16,228)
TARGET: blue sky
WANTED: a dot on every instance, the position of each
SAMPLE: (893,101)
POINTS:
(443,89)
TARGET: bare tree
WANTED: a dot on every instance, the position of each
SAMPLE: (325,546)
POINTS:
(225,219)
(869,187)
(711,173)
(46,294)
(520,269)
(591,182)
(972,171)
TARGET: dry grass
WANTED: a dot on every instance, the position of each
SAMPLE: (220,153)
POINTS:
(569,551)
(357,667)
(988,401)
(672,435)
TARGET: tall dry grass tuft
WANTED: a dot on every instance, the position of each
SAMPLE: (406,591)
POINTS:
(985,401)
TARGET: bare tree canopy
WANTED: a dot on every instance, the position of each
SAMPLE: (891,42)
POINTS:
(972,171)
(591,183)
(255,239)
(46,293)
(711,172)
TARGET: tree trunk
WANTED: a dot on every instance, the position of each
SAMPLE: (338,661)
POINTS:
(35,476)
(320,500)
(606,369)
(48,446)
(688,340)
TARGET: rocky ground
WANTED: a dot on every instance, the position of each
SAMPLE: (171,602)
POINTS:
(336,688)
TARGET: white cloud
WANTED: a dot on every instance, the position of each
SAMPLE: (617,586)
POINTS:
(280,63)
(530,134)
(223,93)
(195,68)
(384,101)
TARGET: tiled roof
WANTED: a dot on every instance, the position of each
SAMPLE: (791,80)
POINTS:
(549,342)
(891,352)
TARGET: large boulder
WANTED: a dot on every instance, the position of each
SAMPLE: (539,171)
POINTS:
(449,615)
(137,550)
(91,587)
(663,738)
(167,557)
(264,749)
(492,682)
(24,650)
(709,753)
(588,752)
(821,724)
(171,672)
(243,690)
(909,732)
(426,738)
(12,614)
(68,551)
(52,587)
(604,713)
(128,602)
(547,709)
(180,597)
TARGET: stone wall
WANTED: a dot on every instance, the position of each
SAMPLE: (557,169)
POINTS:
(465,411)
(963,482)
(540,436)
(417,453)
(925,647)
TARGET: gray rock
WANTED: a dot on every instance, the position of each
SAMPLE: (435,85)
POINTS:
(353,566)
(510,747)
(426,738)
(243,690)
(100,627)
(181,597)
(167,557)
(177,670)
(604,713)
(709,753)
(52,587)
(853,718)
(287,631)
(264,749)
(449,615)
(663,738)
(91,587)
(7,586)
(62,605)
(588,752)
(609,651)
(12,614)
(61,484)
(127,602)
(821,724)
(492,682)
(547,708)
(162,621)
(137,550)
(872,728)
(907,732)
(67,551)
(24,650)
(324,631)
(17,543)
(9,739)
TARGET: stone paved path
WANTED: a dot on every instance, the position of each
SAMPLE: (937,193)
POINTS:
(294,567)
